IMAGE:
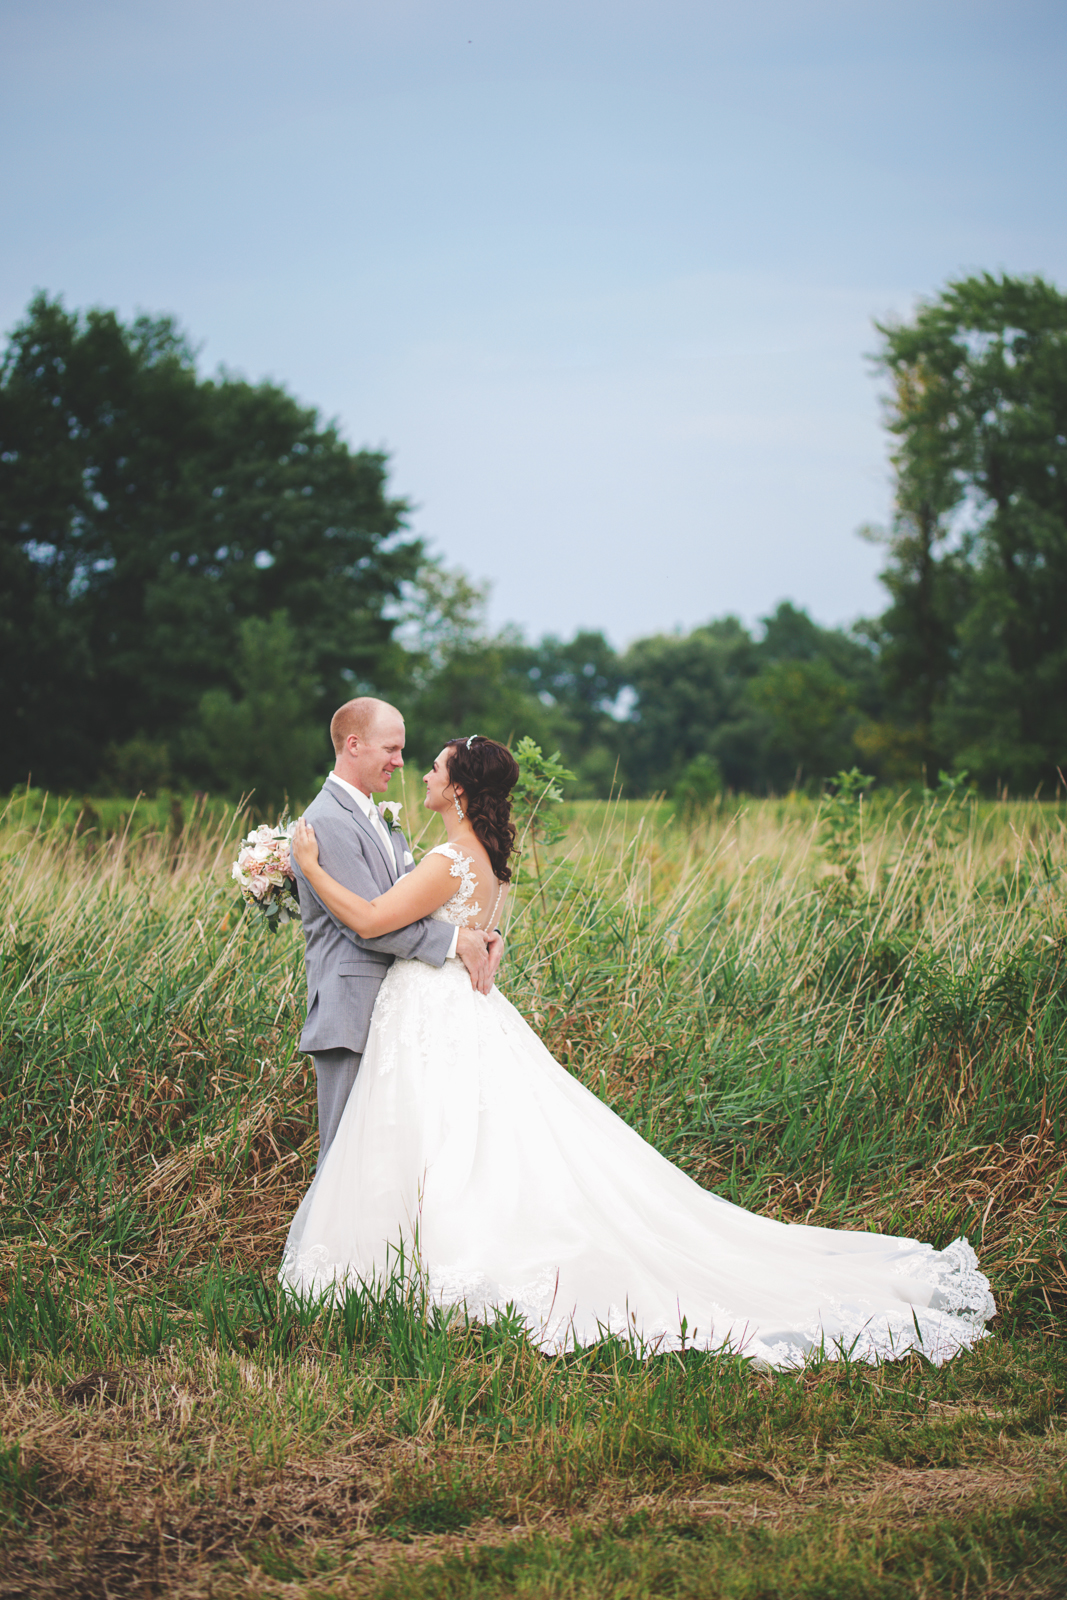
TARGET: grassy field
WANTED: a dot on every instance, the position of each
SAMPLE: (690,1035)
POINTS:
(853,1014)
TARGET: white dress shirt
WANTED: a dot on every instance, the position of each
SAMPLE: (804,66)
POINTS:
(374,817)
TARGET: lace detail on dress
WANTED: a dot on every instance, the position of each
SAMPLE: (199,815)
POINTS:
(842,1332)
(406,1028)
(960,1286)
(954,1320)
(457,910)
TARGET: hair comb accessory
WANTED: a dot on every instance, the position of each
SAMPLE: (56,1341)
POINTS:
(472,738)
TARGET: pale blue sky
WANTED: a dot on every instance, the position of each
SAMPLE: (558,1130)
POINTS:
(599,276)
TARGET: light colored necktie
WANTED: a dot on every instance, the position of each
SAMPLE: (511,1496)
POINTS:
(383,833)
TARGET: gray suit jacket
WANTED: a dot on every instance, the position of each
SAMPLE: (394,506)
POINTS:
(344,972)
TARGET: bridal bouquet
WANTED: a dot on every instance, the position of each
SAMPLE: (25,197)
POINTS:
(264,874)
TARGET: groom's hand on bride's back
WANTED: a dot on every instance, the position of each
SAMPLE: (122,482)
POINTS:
(495,950)
(472,948)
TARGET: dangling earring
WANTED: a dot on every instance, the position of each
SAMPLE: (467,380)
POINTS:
(459,808)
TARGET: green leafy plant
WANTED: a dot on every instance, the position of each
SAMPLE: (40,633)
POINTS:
(841,832)
(534,797)
(697,786)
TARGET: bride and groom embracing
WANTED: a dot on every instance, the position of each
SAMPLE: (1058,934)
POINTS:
(448,1129)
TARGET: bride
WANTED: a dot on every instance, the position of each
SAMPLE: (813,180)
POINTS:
(508,1183)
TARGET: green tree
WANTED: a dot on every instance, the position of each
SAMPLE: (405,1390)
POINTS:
(691,698)
(811,712)
(697,785)
(456,676)
(269,740)
(815,686)
(716,706)
(145,514)
(975,637)
(578,682)
(926,575)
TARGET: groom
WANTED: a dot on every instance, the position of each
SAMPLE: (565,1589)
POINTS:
(344,972)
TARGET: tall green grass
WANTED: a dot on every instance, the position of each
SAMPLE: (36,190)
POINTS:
(785,999)
(853,1012)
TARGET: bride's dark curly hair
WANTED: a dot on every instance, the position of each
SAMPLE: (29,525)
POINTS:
(486,772)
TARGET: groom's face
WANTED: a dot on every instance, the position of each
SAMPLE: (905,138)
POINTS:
(381,754)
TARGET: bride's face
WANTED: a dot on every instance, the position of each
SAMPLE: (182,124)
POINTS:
(439,789)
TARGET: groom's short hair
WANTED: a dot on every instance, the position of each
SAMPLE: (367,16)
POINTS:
(356,717)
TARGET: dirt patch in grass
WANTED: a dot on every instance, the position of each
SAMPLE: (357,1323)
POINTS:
(906,1492)
(129,1499)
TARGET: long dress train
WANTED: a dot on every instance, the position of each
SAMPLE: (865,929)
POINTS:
(510,1183)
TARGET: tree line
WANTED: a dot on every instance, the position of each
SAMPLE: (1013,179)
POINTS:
(195,571)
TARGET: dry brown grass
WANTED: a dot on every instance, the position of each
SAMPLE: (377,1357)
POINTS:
(142,1490)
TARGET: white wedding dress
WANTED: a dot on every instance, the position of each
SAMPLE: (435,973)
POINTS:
(509,1183)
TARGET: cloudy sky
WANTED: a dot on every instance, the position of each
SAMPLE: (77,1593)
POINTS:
(599,276)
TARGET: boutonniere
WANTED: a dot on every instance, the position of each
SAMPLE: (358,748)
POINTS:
(390,813)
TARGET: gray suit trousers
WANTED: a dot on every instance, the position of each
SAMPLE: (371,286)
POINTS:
(335,1073)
